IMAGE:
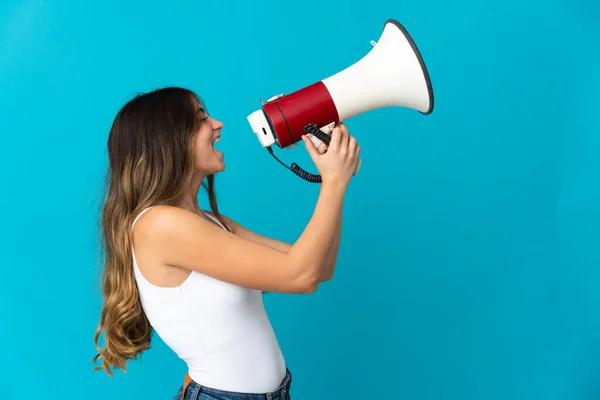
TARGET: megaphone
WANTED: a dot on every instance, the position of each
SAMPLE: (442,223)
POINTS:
(393,73)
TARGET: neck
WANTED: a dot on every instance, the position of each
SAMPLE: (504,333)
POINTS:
(190,199)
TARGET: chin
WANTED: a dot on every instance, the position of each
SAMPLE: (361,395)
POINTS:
(211,171)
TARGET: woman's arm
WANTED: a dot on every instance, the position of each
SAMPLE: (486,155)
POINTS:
(180,238)
(248,234)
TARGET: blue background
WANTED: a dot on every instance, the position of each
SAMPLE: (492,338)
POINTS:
(469,262)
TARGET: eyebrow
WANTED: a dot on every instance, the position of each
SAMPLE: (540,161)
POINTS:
(201,113)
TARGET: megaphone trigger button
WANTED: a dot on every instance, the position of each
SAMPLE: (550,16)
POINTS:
(373,43)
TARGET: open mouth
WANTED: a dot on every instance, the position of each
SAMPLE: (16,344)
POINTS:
(215,140)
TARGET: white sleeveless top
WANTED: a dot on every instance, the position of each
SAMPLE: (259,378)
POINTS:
(220,330)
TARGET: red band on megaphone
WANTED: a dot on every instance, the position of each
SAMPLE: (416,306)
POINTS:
(289,114)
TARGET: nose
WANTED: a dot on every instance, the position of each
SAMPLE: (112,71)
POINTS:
(217,125)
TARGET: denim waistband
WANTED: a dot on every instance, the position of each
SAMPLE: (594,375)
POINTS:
(194,390)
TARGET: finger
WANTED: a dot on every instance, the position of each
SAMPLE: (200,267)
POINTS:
(336,139)
(352,145)
(322,147)
(357,165)
(310,147)
(316,141)
(344,141)
(343,127)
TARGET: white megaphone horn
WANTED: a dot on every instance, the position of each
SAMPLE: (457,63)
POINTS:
(393,73)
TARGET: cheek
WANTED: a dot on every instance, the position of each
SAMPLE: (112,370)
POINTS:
(203,152)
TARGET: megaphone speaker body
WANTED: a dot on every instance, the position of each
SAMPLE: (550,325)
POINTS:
(393,73)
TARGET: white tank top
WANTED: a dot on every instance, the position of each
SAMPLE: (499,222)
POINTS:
(220,330)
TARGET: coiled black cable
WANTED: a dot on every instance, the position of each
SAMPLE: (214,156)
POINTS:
(295,168)
(313,130)
(307,176)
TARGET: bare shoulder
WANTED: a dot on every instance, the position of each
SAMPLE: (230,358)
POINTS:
(162,219)
(147,236)
(167,229)
(156,224)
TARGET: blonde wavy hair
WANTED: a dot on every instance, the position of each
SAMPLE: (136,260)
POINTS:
(151,162)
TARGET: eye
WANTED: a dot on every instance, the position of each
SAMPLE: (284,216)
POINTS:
(201,112)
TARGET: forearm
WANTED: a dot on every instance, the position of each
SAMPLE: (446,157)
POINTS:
(333,253)
(312,251)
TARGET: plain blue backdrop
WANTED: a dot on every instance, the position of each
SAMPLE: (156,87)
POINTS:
(469,264)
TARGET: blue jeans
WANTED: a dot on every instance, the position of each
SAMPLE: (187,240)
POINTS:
(195,391)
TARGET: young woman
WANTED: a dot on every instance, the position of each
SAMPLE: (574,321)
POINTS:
(196,277)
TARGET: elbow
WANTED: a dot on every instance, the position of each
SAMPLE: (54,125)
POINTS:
(311,286)
(326,277)
(306,285)
(305,279)
(328,273)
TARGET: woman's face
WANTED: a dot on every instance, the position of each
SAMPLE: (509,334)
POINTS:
(209,160)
